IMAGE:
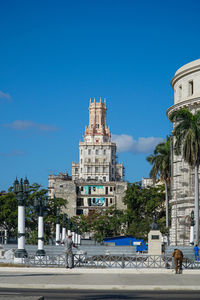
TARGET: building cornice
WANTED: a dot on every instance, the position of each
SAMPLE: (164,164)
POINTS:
(184,104)
(183,73)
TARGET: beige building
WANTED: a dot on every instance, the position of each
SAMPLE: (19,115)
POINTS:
(97,179)
(147,182)
(186,86)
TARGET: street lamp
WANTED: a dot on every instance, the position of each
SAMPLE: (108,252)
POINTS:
(58,227)
(69,226)
(21,190)
(40,206)
(192,223)
(64,227)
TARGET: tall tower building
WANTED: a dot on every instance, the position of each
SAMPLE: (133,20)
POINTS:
(97,154)
(97,180)
(186,86)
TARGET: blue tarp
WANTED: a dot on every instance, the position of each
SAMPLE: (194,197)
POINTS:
(97,187)
(126,241)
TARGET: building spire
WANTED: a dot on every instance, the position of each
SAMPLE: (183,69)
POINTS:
(97,119)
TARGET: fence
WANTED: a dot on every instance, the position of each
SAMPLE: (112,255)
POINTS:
(109,261)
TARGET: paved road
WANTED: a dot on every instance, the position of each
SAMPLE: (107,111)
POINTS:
(96,295)
(99,279)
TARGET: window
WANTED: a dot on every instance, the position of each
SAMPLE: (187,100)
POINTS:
(97,152)
(89,169)
(89,151)
(104,151)
(111,201)
(104,160)
(96,178)
(89,160)
(104,178)
(191,88)
(81,160)
(80,202)
(82,188)
(96,160)
(96,169)
(94,188)
(81,151)
(89,201)
(104,169)
(94,200)
(111,188)
(180,91)
(79,211)
(76,170)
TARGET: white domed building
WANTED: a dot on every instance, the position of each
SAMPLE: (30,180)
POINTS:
(186,86)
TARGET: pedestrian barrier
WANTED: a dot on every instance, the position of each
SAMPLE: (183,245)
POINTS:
(109,261)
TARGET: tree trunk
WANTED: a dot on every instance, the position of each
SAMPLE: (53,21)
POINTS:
(197,202)
(167,205)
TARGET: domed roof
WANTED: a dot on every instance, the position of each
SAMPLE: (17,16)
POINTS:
(193,64)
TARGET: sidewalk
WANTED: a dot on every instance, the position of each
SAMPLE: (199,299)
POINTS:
(93,279)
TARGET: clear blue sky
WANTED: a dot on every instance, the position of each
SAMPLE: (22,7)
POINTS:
(55,55)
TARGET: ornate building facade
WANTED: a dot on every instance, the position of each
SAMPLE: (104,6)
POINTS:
(97,179)
(186,86)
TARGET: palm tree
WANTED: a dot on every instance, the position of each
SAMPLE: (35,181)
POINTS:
(187,143)
(160,161)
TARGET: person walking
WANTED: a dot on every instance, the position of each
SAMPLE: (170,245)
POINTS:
(178,260)
(68,251)
(196,252)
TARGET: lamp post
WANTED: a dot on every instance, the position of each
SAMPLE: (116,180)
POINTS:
(69,227)
(21,190)
(40,206)
(64,227)
(78,236)
(73,232)
(58,227)
(192,228)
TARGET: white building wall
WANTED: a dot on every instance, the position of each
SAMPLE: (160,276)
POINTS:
(182,183)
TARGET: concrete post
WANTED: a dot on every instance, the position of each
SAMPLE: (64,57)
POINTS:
(191,235)
(21,228)
(57,234)
(21,193)
(40,250)
(63,233)
(6,237)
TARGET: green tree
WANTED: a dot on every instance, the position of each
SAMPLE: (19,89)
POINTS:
(36,191)
(103,223)
(143,204)
(187,142)
(160,162)
(109,223)
(8,213)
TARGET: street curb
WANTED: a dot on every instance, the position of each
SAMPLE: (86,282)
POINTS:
(96,271)
(102,287)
